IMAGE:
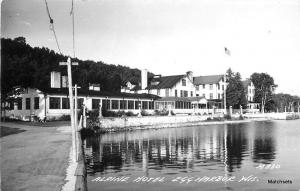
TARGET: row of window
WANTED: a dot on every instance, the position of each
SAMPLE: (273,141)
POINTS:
(211,87)
(184,93)
(63,103)
(122,104)
(19,103)
(183,105)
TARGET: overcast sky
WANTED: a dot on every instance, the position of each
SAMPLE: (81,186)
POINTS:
(170,37)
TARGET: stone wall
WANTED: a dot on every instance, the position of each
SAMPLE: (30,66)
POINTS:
(149,121)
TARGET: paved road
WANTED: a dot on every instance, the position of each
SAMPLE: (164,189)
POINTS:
(36,159)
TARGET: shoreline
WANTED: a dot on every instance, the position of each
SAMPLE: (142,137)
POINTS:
(142,123)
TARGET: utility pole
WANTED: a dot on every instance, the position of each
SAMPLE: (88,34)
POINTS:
(69,65)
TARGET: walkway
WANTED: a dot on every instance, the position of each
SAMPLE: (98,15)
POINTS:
(35,159)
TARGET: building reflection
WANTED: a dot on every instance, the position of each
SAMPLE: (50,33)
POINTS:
(186,149)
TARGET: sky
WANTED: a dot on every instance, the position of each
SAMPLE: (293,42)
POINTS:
(169,37)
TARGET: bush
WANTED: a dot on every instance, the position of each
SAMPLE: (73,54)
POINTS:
(130,113)
(120,113)
(227,116)
(64,118)
(241,117)
(209,119)
(217,119)
(163,112)
(144,113)
(93,114)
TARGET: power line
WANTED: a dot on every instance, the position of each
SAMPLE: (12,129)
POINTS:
(73,26)
(52,26)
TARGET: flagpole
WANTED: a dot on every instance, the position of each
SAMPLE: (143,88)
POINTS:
(227,52)
(225,111)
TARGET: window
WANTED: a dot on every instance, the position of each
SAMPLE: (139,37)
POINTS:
(36,103)
(144,105)
(27,103)
(197,88)
(211,96)
(65,102)
(181,93)
(115,104)
(137,104)
(11,105)
(95,103)
(223,87)
(19,103)
(106,104)
(183,82)
(191,93)
(123,104)
(203,95)
(197,95)
(203,86)
(151,104)
(130,104)
(80,103)
(211,87)
(185,93)
(158,92)
(175,93)
(218,86)
(219,96)
(167,92)
(54,103)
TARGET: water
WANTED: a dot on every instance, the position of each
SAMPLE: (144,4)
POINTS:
(254,152)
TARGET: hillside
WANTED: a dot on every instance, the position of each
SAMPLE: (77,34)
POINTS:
(31,66)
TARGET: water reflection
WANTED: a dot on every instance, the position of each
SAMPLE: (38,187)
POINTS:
(181,150)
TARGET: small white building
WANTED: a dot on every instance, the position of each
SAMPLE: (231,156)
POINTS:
(53,103)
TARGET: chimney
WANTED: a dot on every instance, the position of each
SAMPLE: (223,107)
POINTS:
(189,74)
(144,79)
(55,79)
(64,81)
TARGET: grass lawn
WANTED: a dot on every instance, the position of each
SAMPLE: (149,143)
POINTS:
(9,131)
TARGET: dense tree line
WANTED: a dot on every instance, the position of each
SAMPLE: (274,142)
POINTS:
(283,102)
(26,66)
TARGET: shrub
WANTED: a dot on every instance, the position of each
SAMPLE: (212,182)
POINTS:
(64,118)
(93,114)
(227,116)
(120,113)
(217,119)
(163,112)
(241,117)
(209,119)
(130,113)
(144,113)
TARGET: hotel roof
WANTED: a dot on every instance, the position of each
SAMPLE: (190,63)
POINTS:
(212,79)
(165,82)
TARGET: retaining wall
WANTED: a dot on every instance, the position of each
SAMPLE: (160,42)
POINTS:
(149,121)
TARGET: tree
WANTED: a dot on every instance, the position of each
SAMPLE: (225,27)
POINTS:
(235,92)
(264,88)
(283,102)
